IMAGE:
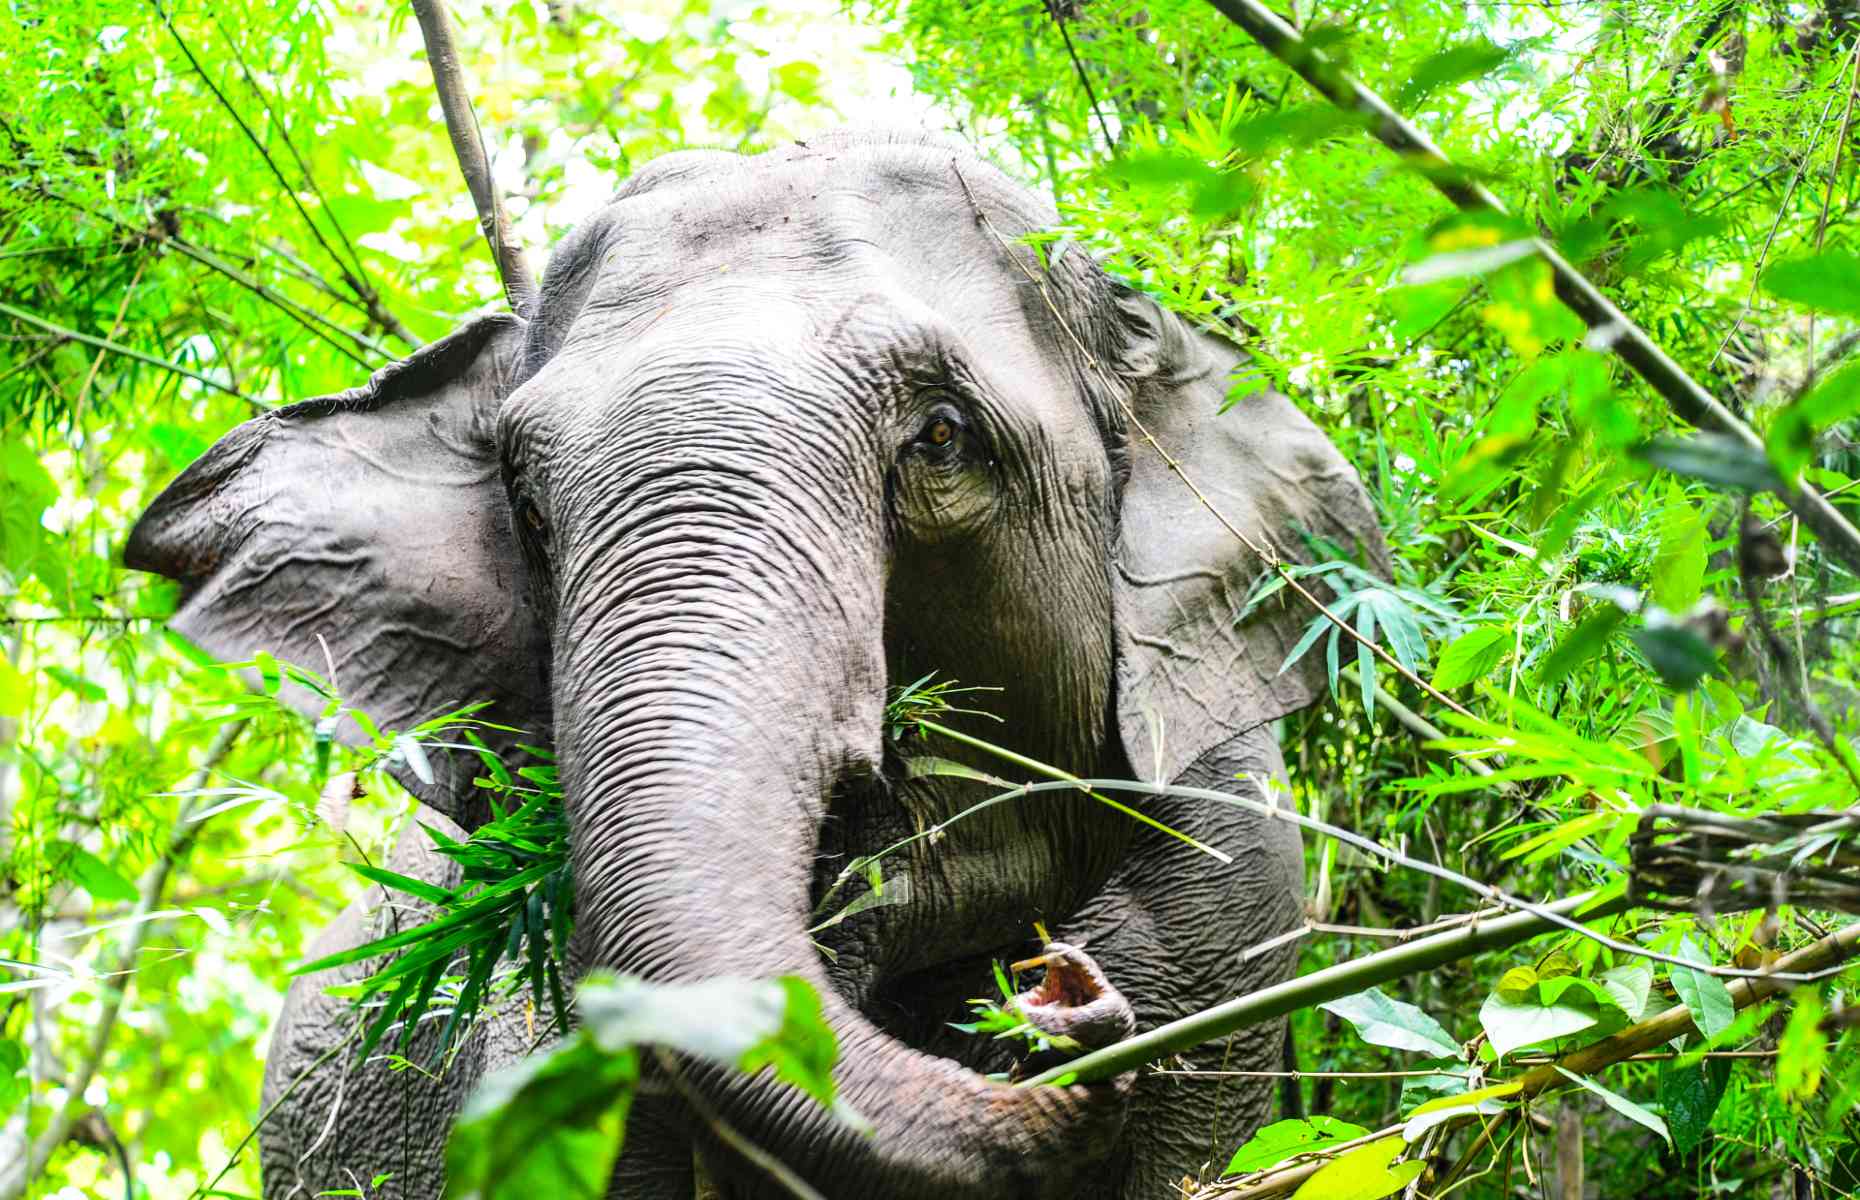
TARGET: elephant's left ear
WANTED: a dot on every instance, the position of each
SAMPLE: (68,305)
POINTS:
(1192,675)
(371,527)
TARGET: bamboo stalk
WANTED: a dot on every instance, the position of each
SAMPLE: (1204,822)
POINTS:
(1607,323)
(1837,947)
(468,145)
(1331,983)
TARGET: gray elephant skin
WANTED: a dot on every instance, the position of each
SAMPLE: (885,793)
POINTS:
(784,430)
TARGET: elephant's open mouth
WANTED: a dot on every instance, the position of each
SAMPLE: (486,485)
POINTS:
(1070,982)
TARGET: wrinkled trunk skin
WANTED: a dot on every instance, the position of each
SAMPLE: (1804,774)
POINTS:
(719,669)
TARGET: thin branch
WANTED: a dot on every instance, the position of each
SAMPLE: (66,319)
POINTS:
(153,883)
(1091,96)
(1318,987)
(1769,239)
(350,277)
(730,1136)
(20,314)
(474,164)
(1607,323)
(1817,957)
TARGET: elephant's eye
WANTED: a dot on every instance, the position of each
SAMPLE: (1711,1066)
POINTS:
(532,516)
(942,428)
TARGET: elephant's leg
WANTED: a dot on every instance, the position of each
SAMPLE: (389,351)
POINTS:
(1170,929)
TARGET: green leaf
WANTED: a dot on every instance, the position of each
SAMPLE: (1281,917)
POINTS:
(1689,1095)
(743,1023)
(1827,282)
(1513,1024)
(1282,1139)
(13,1084)
(77,684)
(550,1125)
(26,490)
(1621,1104)
(1629,984)
(1449,68)
(1366,1173)
(93,874)
(1724,462)
(1704,994)
(1791,441)
(401,883)
(1802,1051)
(1678,569)
(1472,655)
(1680,657)
(1579,645)
(1382,1021)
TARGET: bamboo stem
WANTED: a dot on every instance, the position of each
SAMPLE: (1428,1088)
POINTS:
(1606,322)
(474,164)
(1331,983)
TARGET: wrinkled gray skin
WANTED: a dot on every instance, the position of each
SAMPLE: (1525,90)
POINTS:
(697,514)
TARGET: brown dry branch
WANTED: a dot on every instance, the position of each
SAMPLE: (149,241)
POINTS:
(1631,1042)
(474,164)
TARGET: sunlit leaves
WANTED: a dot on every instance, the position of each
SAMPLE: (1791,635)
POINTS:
(1702,992)
(1280,1140)
(1367,1173)
(1621,1104)
(553,1123)
(550,1125)
(1472,655)
(1828,282)
(1802,1052)
(1382,1021)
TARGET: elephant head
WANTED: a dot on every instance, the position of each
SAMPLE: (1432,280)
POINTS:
(782,430)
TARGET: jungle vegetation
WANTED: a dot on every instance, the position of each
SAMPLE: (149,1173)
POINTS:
(1616,655)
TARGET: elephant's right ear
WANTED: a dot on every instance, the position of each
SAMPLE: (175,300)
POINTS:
(374,521)
(1192,674)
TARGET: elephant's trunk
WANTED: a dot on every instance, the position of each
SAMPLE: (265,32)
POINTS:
(719,669)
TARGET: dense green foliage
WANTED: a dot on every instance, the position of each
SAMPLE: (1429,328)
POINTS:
(255,203)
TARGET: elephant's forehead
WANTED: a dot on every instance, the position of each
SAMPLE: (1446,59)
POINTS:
(826,218)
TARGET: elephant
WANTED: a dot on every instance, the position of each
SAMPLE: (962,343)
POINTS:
(783,431)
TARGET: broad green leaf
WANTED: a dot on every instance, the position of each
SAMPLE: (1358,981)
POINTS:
(1588,639)
(26,490)
(1678,569)
(1514,1024)
(1486,1101)
(1704,994)
(13,1085)
(1629,984)
(1791,441)
(1449,68)
(1689,1095)
(742,1023)
(1802,1051)
(1472,656)
(1722,461)
(93,874)
(1621,1104)
(1828,282)
(1679,656)
(1282,1139)
(1382,1021)
(550,1125)
(1366,1173)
